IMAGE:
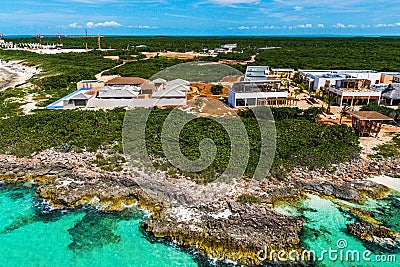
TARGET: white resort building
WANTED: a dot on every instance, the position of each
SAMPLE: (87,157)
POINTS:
(259,88)
(349,86)
(126,92)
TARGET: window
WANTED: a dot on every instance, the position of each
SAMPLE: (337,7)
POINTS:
(251,102)
(240,103)
(80,103)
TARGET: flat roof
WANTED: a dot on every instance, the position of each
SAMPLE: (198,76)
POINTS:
(369,116)
(282,69)
(339,71)
(90,81)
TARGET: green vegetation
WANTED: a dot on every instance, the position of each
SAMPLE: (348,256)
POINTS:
(282,113)
(300,142)
(24,135)
(217,89)
(333,53)
(111,163)
(144,68)
(389,150)
(247,198)
(306,53)
(197,72)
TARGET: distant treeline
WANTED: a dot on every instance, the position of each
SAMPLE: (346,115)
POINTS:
(299,53)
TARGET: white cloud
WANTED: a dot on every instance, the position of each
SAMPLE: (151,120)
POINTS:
(320,25)
(343,26)
(142,27)
(280,15)
(73,25)
(233,2)
(272,27)
(180,16)
(298,8)
(382,25)
(304,26)
(90,24)
(339,25)
(244,28)
(112,23)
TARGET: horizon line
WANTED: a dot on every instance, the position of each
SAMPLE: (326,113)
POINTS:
(4,36)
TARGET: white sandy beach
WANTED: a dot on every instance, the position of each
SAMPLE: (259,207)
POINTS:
(13,73)
(392,183)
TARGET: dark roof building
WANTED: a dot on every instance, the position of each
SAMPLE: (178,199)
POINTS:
(392,94)
(368,122)
(124,81)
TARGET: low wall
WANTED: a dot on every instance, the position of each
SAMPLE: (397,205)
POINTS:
(134,103)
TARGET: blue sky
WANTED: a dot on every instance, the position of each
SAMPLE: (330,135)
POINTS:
(201,17)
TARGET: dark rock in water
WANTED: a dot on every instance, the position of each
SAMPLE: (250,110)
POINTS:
(94,230)
(20,222)
(377,235)
(16,195)
(325,230)
(248,229)
(38,216)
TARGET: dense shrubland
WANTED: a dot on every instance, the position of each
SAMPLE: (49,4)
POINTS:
(300,141)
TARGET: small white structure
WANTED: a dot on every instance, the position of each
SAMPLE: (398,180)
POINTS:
(110,93)
(89,84)
(76,99)
(160,83)
(179,82)
(257,74)
(229,47)
(171,93)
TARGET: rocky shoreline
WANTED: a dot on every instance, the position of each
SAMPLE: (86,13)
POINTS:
(223,228)
(376,235)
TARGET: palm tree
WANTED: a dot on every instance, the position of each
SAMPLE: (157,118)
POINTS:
(302,88)
(329,99)
(286,84)
(297,92)
(344,111)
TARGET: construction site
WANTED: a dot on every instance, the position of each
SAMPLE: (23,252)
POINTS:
(46,44)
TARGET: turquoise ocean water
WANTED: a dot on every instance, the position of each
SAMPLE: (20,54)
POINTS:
(325,229)
(32,236)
